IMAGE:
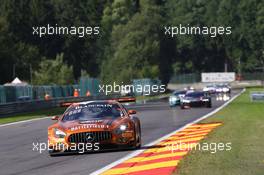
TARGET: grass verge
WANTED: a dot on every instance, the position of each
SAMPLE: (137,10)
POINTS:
(32,115)
(244,128)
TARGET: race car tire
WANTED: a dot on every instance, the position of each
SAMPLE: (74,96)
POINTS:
(138,139)
(209,105)
(182,107)
(54,153)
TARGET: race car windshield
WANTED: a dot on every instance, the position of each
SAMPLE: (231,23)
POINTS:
(85,112)
(179,92)
(221,86)
(195,94)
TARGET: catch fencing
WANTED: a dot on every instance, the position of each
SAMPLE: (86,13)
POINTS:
(10,94)
(18,93)
(29,106)
(20,99)
(144,83)
(186,78)
(196,77)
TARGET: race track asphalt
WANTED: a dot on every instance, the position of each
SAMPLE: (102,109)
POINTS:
(16,141)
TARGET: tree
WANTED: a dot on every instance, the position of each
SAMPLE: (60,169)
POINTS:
(135,47)
(54,72)
(82,53)
(6,57)
(131,43)
(21,16)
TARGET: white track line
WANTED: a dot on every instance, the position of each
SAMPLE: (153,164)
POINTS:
(164,137)
(24,121)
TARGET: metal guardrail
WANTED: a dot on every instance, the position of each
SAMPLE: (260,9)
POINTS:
(29,106)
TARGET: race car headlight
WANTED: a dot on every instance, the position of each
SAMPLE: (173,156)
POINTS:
(186,101)
(225,89)
(59,133)
(123,127)
(172,98)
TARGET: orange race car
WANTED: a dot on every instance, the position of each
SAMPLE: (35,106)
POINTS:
(94,126)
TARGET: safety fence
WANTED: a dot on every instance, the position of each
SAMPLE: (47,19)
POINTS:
(34,105)
(196,77)
(89,86)
(253,76)
(19,99)
(18,93)
(25,93)
(185,78)
(146,84)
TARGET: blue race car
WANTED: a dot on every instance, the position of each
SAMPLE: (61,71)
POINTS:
(175,98)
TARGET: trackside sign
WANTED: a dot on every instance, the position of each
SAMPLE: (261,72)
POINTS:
(257,96)
(218,77)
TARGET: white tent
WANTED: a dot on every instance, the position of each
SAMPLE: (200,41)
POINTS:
(16,82)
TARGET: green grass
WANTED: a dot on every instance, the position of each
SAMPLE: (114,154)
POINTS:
(244,128)
(32,115)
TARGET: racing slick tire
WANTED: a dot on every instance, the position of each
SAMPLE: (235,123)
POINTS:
(182,106)
(54,153)
(208,105)
(137,143)
(138,139)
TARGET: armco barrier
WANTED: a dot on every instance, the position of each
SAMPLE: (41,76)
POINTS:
(29,106)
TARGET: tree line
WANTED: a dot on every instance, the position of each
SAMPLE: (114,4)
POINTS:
(131,43)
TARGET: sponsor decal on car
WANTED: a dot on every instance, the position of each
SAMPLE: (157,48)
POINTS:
(89,126)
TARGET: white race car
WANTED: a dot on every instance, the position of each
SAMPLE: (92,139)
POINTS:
(211,89)
(223,88)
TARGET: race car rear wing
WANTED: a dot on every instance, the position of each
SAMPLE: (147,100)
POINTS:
(67,104)
(125,99)
(120,100)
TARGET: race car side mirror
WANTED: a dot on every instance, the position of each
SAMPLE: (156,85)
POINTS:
(55,117)
(132,112)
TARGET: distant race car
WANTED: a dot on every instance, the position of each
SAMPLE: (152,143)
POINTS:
(175,98)
(93,126)
(189,89)
(223,88)
(196,99)
(127,91)
(210,89)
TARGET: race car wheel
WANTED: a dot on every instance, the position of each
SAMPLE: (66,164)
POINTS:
(139,138)
(54,153)
(209,105)
(137,143)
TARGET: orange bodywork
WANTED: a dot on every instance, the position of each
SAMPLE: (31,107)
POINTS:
(104,132)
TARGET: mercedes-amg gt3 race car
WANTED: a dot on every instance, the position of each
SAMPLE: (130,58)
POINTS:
(94,126)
